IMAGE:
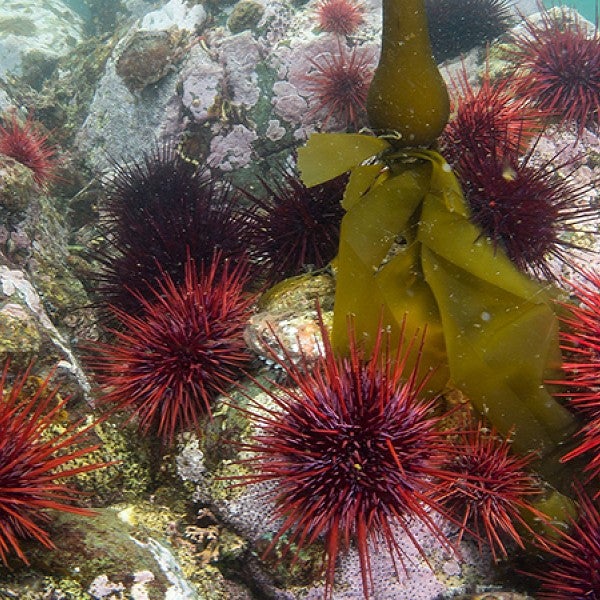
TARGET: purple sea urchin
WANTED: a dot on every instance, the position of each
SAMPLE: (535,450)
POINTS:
(158,212)
(295,228)
(457,26)
(525,208)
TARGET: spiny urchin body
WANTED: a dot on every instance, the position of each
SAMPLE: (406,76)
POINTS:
(457,26)
(340,82)
(168,362)
(557,61)
(487,114)
(342,17)
(34,462)
(23,141)
(580,342)
(158,212)
(491,495)
(526,208)
(354,452)
(295,228)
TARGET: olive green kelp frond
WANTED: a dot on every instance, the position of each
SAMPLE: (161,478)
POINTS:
(408,248)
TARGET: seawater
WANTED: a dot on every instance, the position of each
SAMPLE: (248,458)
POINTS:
(586,8)
(79,7)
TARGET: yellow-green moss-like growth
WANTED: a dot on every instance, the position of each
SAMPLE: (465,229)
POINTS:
(407,95)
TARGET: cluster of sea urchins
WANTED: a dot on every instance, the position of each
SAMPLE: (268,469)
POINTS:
(529,208)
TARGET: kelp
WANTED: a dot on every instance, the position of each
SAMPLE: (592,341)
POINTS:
(409,253)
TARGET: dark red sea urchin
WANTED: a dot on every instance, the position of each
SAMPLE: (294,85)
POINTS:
(353,450)
(457,26)
(574,571)
(159,211)
(558,67)
(168,363)
(295,228)
(490,495)
(339,16)
(23,141)
(33,461)
(340,83)
(526,208)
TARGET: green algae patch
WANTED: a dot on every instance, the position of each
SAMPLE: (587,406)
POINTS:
(20,338)
(245,15)
(130,478)
(89,547)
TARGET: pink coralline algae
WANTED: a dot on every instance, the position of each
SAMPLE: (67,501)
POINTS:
(288,104)
(232,150)
(201,87)
(240,55)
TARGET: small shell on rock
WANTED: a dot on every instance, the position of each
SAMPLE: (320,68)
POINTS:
(287,328)
(283,336)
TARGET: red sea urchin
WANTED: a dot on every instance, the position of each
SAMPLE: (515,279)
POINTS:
(340,83)
(353,450)
(339,16)
(574,572)
(24,142)
(580,342)
(525,208)
(558,67)
(484,115)
(168,362)
(296,228)
(490,494)
(32,462)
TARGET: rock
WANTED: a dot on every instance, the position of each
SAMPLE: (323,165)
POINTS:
(17,185)
(20,338)
(50,29)
(147,57)
(245,15)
